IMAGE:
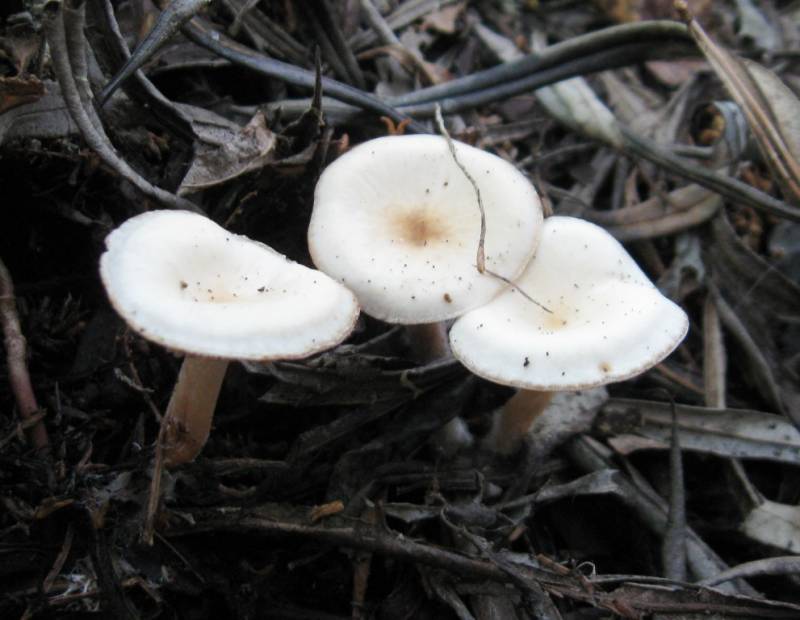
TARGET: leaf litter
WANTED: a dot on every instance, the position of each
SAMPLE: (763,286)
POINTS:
(675,497)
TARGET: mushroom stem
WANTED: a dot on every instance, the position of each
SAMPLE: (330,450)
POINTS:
(428,341)
(513,421)
(191,408)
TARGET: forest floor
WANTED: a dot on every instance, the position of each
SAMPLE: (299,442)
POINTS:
(325,490)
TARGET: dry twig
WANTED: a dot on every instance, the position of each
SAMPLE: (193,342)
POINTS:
(16,359)
(71,76)
(481,254)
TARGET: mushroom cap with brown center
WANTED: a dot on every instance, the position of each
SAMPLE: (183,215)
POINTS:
(180,280)
(398,222)
(607,321)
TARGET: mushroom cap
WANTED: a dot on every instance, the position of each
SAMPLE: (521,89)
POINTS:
(180,280)
(608,321)
(398,222)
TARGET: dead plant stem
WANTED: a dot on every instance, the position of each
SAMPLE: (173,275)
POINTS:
(16,360)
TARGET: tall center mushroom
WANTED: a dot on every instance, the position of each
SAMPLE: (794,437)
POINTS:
(397,221)
(182,281)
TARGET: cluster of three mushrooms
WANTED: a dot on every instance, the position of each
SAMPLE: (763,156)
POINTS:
(396,220)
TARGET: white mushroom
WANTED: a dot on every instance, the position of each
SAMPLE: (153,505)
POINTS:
(397,221)
(607,322)
(182,281)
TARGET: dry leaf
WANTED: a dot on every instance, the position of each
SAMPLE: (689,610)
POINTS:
(623,11)
(431,72)
(675,73)
(575,104)
(21,42)
(757,91)
(249,149)
(754,28)
(685,207)
(721,125)
(15,91)
(759,303)
(628,444)
(774,524)
(664,9)
(738,433)
(784,103)
(326,510)
(632,600)
(444,20)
